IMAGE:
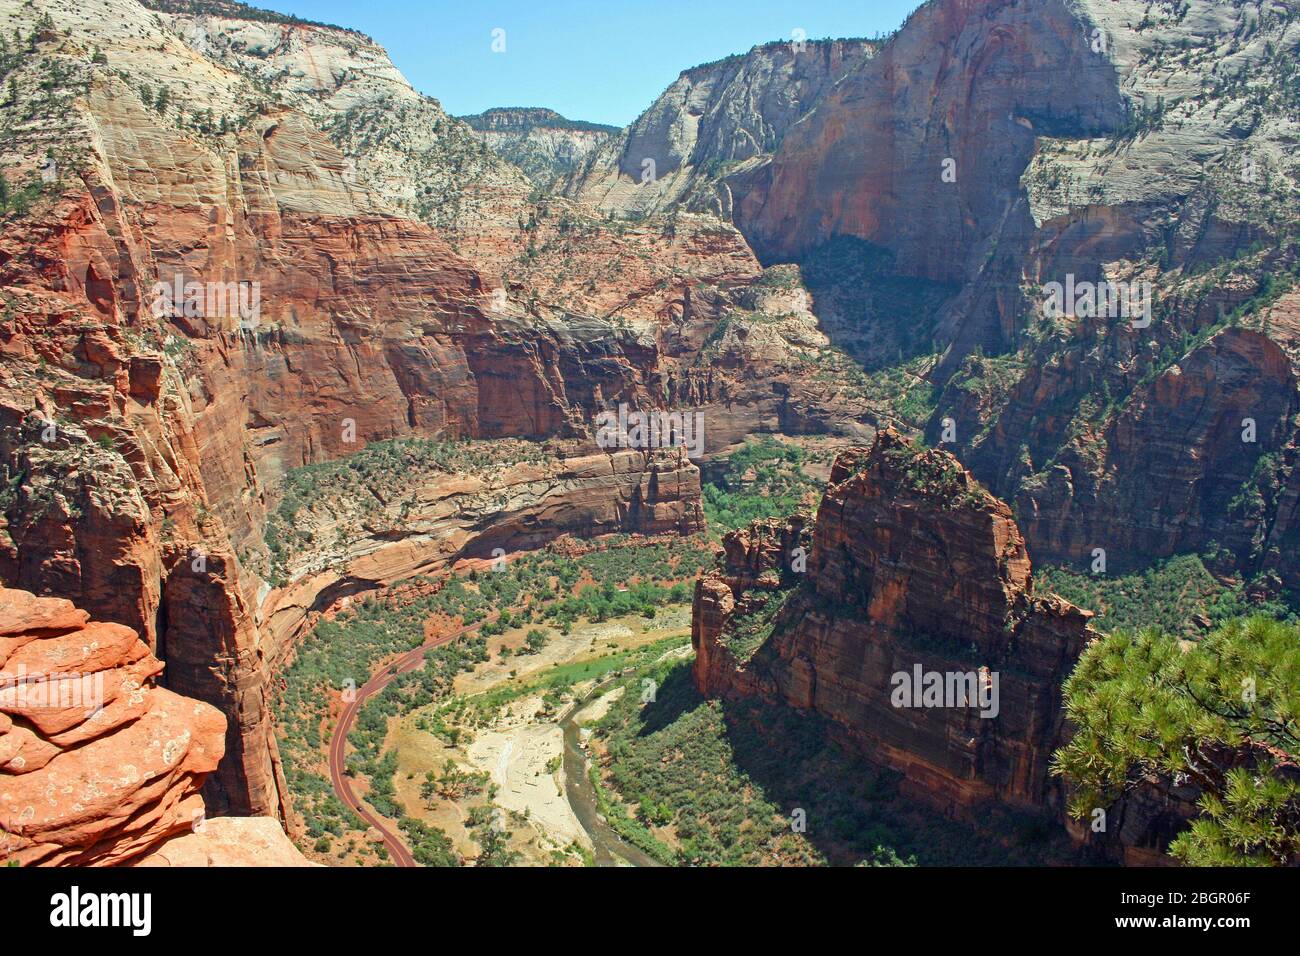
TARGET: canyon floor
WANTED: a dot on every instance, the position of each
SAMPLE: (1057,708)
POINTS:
(478,764)
(970,351)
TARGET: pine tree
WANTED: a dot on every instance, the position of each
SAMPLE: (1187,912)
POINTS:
(1221,714)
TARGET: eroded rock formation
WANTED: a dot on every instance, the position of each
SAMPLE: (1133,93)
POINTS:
(911,564)
(699,145)
(144,439)
(409,285)
(98,763)
(541,142)
(228,841)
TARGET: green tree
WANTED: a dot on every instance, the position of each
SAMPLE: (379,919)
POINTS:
(429,845)
(535,639)
(494,847)
(1220,713)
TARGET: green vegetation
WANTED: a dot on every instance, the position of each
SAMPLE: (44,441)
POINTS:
(477,711)
(499,118)
(909,398)
(753,622)
(694,781)
(454,155)
(623,578)
(989,381)
(1220,713)
(935,474)
(492,839)
(235,11)
(19,198)
(764,479)
(1170,595)
(453,783)
(357,486)
(340,654)
(429,845)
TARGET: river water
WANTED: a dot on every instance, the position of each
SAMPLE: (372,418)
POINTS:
(610,849)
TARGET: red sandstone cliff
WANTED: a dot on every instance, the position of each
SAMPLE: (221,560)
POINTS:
(131,443)
(910,563)
(143,447)
(99,764)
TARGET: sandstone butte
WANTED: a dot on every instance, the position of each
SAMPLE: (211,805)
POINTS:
(911,562)
(98,764)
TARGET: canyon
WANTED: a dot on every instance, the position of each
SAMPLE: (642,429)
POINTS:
(839,238)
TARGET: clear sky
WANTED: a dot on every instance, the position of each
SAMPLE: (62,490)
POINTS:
(599,60)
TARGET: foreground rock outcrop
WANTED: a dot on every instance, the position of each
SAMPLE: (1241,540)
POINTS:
(98,763)
(910,564)
(228,841)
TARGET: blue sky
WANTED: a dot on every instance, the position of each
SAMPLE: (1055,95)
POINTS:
(590,60)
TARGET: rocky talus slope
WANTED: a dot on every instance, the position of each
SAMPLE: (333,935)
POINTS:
(98,764)
(541,142)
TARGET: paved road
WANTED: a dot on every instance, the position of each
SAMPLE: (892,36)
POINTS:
(409,661)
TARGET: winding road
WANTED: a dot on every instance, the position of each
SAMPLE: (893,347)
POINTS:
(610,849)
(381,678)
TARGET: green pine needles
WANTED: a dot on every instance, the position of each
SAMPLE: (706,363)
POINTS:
(1220,713)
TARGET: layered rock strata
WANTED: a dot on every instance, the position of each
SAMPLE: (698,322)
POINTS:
(100,765)
(911,565)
